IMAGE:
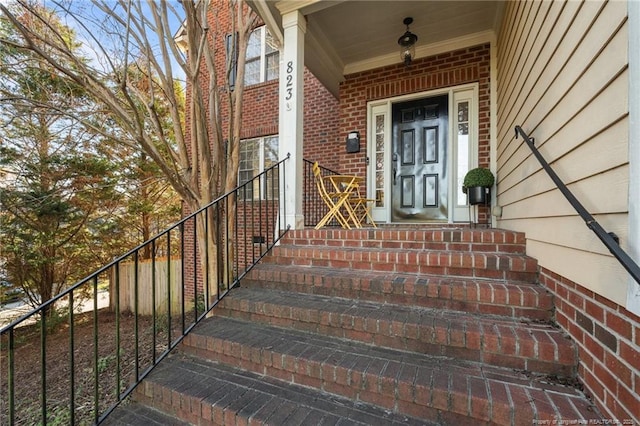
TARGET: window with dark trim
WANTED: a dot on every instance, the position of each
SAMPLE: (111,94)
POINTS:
(231,48)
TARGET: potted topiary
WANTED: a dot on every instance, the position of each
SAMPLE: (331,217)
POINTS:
(477,185)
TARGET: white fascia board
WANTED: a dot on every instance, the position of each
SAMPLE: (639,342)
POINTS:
(306,7)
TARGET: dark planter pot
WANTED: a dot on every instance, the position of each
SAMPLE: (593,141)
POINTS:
(479,195)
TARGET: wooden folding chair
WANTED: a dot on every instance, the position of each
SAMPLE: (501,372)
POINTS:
(331,199)
(362,207)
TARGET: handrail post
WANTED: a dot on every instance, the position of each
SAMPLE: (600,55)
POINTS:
(607,238)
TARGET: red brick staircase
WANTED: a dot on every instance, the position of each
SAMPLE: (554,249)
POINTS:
(390,326)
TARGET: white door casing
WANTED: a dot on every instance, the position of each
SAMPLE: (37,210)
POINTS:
(462,148)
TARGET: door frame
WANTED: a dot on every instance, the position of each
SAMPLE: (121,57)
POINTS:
(382,108)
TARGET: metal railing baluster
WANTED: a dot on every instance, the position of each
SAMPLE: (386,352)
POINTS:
(72,367)
(11,376)
(96,374)
(154,318)
(136,301)
(169,289)
(43,366)
(118,342)
(182,294)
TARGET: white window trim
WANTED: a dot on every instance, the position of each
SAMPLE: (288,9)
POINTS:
(263,55)
(261,157)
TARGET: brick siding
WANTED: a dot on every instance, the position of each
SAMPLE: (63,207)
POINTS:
(608,338)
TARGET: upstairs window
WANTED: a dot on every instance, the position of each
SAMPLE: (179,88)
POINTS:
(262,59)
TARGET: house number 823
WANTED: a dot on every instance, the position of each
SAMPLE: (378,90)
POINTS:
(289,78)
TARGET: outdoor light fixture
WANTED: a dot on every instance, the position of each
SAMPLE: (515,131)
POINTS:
(407,43)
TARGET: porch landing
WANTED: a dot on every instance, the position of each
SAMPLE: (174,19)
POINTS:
(397,325)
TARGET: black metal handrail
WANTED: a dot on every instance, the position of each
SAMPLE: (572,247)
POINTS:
(609,239)
(154,303)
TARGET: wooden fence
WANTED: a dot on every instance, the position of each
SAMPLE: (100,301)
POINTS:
(145,290)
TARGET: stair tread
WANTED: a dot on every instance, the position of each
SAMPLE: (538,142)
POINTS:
(296,352)
(366,249)
(246,395)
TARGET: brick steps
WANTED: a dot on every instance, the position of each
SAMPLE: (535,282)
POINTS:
(207,393)
(436,389)
(499,341)
(514,299)
(444,325)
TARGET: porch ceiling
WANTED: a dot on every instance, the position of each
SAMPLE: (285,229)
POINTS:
(349,36)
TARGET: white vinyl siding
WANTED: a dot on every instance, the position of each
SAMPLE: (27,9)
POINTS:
(563,77)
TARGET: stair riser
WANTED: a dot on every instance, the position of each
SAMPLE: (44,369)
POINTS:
(172,402)
(193,409)
(503,346)
(409,245)
(422,393)
(484,297)
(493,239)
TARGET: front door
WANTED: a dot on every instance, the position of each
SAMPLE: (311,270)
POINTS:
(419,160)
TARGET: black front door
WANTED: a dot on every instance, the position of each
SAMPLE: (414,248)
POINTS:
(419,160)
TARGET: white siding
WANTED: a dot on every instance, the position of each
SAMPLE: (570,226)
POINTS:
(563,77)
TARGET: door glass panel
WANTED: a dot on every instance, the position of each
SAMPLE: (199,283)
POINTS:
(463,149)
(463,112)
(379,156)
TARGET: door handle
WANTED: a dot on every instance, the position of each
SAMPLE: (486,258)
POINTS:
(395,170)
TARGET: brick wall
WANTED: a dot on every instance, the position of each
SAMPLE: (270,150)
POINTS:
(445,70)
(608,340)
(321,121)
